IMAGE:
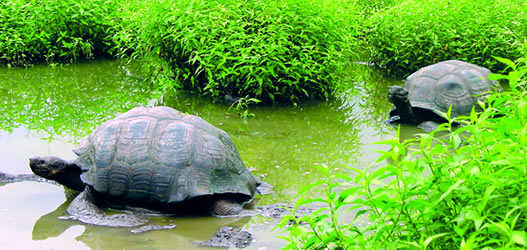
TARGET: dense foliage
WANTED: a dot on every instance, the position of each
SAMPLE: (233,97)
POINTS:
(368,7)
(53,30)
(463,189)
(276,51)
(417,33)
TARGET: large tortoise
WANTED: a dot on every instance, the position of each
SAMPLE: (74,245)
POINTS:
(155,158)
(428,93)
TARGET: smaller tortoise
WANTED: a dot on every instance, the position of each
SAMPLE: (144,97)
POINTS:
(154,158)
(428,93)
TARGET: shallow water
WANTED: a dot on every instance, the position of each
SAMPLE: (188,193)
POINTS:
(46,110)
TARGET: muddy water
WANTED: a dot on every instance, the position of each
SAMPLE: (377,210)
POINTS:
(46,110)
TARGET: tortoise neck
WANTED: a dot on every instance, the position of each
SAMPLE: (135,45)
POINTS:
(406,112)
(71,176)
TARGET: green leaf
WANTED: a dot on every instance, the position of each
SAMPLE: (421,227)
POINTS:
(431,238)
(501,228)
(494,76)
(508,62)
(520,238)
(311,200)
(310,186)
(450,190)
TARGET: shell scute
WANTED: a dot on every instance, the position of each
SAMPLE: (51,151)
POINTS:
(105,140)
(172,146)
(134,141)
(140,182)
(118,181)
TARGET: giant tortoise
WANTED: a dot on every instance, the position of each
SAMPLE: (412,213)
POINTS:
(155,158)
(428,93)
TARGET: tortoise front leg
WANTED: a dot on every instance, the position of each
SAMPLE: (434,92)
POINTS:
(226,207)
(84,210)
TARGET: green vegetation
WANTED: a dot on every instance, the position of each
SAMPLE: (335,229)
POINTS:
(463,190)
(52,30)
(417,33)
(453,188)
(369,7)
(241,105)
(275,51)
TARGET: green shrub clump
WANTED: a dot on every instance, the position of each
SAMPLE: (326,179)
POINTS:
(417,33)
(275,51)
(463,189)
(369,7)
(50,30)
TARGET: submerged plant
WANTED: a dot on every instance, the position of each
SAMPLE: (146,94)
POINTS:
(241,105)
(463,190)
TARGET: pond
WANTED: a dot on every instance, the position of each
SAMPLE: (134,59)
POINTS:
(47,110)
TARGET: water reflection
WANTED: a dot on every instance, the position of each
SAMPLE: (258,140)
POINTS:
(66,100)
(17,146)
(22,205)
(41,228)
(281,145)
(186,235)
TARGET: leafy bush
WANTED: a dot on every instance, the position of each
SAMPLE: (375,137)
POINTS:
(47,30)
(466,189)
(275,51)
(417,33)
(371,6)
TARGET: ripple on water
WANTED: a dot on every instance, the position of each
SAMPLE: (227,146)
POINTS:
(280,144)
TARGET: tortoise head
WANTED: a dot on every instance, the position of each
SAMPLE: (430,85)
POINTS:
(48,167)
(59,170)
(398,96)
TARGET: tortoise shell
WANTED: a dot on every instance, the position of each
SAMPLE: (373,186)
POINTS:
(160,155)
(460,84)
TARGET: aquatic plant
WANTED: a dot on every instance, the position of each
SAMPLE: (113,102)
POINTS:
(414,33)
(462,190)
(241,105)
(49,30)
(275,51)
